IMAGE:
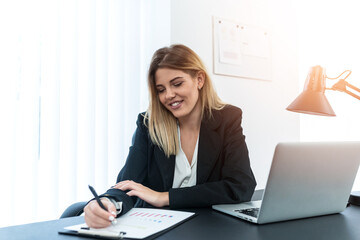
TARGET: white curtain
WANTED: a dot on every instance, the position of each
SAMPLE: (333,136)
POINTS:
(73,79)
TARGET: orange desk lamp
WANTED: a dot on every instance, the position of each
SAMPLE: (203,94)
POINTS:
(313,100)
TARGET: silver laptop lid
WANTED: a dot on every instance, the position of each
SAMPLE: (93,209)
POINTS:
(309,179)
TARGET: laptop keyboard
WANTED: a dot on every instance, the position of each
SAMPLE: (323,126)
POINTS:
(249,211)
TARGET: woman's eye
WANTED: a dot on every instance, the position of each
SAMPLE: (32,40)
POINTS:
(177,84)
(160,90)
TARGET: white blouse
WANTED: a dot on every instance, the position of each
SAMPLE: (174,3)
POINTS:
(185,174)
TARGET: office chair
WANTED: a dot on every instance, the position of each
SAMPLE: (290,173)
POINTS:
(75,209)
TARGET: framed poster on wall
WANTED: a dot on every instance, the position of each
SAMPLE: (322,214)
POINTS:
(241,50)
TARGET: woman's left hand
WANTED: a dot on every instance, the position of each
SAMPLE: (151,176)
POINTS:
(157,199)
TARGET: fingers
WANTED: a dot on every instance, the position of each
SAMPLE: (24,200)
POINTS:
(132,193)
(96,217)
(126,185)
(94,221)
(135,189)
(110,207)
(150,196)
(139,194)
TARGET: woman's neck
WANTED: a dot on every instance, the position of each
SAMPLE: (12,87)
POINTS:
(192,121)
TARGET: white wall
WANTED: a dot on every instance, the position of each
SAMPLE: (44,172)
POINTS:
(265,120)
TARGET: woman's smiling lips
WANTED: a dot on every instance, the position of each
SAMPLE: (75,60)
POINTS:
(175,105)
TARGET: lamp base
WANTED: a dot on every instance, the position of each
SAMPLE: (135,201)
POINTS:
(354,198)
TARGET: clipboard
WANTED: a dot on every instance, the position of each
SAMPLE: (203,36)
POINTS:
(138,223)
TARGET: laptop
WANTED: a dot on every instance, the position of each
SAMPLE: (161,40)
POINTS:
(306,179)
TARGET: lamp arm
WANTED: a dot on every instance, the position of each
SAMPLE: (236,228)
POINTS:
(351,93)
(348,71)
(352,86)
(341,86)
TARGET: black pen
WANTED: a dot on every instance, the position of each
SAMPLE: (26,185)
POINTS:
(111,218)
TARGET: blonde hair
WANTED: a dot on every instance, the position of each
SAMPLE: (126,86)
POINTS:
(161,122)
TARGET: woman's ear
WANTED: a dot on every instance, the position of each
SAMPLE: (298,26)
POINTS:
(200,79)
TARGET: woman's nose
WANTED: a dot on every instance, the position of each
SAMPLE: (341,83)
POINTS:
(170,94)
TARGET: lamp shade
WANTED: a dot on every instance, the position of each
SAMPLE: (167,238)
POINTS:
(313,100)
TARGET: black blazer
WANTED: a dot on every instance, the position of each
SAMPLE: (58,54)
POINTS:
(223,167)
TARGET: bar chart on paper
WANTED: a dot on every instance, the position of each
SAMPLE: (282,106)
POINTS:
(138,223)
(154,217)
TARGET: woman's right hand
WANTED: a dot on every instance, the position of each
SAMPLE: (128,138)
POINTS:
(96,217)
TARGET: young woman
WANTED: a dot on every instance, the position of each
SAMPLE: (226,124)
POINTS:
(188,149)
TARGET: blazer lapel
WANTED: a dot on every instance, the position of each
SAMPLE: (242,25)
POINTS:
(209,147)
(166,167)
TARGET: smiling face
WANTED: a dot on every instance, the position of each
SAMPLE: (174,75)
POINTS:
(178,92)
